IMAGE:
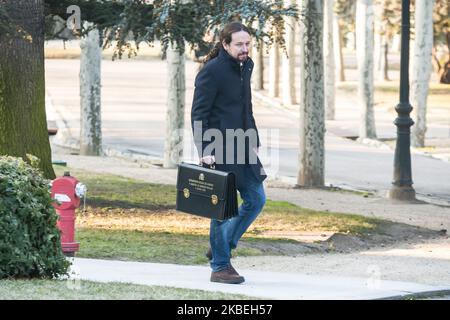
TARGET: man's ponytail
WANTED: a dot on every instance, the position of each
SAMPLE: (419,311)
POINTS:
(214,52)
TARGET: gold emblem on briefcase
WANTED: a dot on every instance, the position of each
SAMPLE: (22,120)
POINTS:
(201,177)
(214,199)
(186,192)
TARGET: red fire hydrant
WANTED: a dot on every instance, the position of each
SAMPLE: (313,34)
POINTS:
(67,191)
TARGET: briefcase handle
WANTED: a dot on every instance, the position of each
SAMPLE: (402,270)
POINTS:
(205,165)
(210,166)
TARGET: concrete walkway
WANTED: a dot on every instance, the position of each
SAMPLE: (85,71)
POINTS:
(262,284)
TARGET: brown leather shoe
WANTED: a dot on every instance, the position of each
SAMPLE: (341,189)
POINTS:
(228,275)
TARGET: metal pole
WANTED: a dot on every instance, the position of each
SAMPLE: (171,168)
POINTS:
(402,185)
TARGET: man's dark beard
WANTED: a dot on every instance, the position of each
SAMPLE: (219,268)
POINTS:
(243,56)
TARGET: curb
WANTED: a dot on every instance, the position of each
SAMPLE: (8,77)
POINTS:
(421,295)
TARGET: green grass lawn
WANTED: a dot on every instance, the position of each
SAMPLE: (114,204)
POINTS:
(386,95)
(87,290)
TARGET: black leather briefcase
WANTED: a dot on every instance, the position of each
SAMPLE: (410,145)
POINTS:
(206,192)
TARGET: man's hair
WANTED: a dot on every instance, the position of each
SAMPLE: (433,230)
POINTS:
(225,35)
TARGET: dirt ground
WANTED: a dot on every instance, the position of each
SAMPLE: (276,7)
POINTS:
(427,262)
(391,235)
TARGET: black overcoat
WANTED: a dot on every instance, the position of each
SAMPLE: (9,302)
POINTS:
(222,100)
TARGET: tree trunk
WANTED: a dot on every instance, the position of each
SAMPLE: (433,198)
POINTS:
(435,62)
(365,38)
(173,147)
(274,71)
(23,123)
(338,43)
(384,64)
(329,61)
(445,76)
(312,107)
(377,42)
(381,57)
(422,68)
(396,43)
(90,91)
(288,62)
(258,73)
(381,41)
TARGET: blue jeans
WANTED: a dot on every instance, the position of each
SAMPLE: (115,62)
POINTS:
(224,235)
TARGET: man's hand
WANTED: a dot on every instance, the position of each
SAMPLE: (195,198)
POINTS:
(209,160)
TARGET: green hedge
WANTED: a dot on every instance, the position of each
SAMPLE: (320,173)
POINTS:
(29,239)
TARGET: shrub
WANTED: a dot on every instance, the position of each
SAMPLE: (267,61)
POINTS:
(29,238)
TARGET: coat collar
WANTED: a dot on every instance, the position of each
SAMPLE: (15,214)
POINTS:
(223,54)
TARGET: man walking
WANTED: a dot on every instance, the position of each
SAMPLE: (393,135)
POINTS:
(222,104)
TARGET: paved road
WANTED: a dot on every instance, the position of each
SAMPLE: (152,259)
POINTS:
(133,115)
